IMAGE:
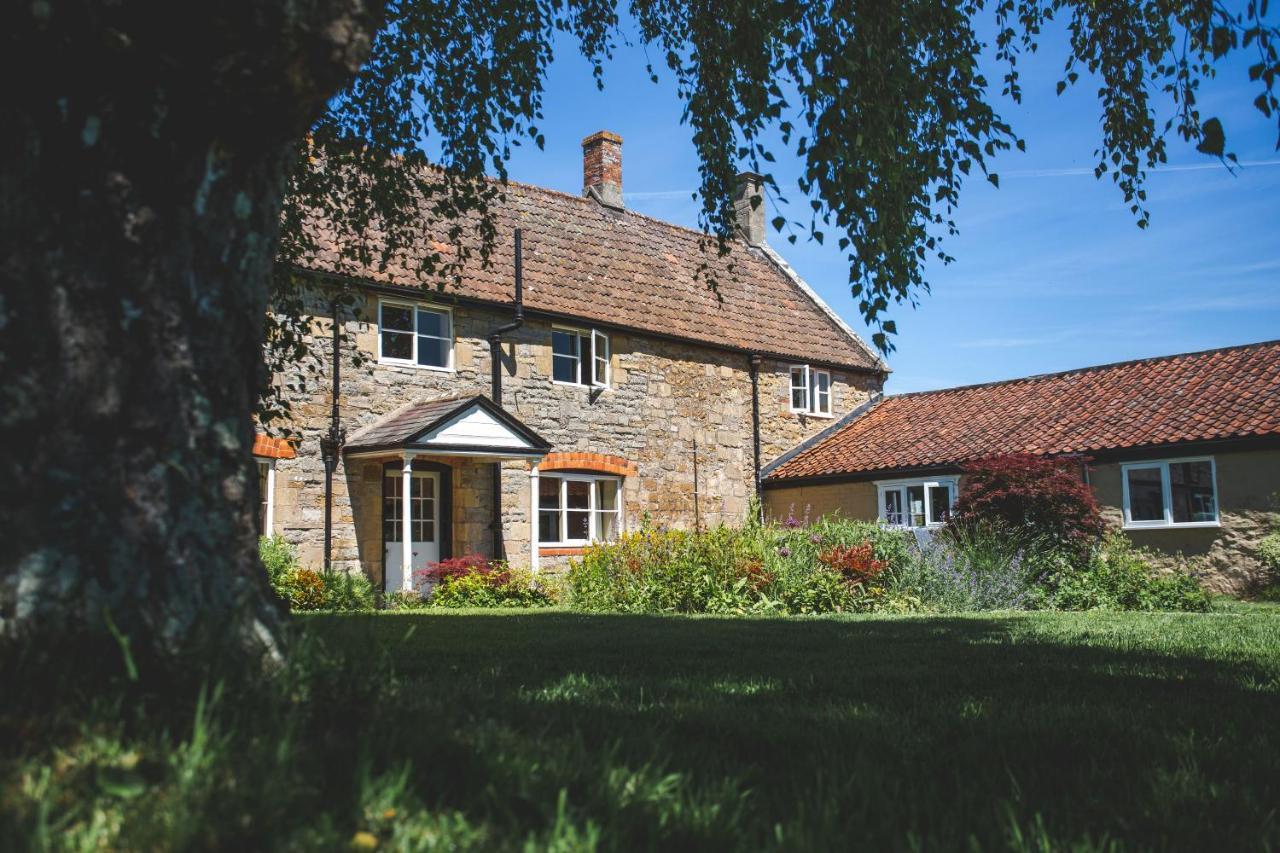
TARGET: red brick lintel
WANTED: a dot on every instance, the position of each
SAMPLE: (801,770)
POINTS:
(595,462)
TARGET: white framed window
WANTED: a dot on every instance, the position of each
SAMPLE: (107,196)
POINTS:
(1170,493)
(917,503)
(810,390)
(580,357)
(415,335)
(577,509)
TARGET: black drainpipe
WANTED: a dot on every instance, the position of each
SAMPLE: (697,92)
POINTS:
(332,442)
(754,364)
(495,389)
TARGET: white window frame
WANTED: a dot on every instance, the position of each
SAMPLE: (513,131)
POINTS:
(593,508)
(1166,491)
(600,341)
(596,338)
(269,514)
(883,486)
(809,384)
(412,361)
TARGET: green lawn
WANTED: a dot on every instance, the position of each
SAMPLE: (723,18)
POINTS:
(1087,731)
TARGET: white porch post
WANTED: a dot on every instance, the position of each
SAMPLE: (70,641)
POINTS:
(270,521)
(406,524)
(533,517)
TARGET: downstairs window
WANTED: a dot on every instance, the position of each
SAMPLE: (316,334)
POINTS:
(1170,493)
(917,503)
(577,509)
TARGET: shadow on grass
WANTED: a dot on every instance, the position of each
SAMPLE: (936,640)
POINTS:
(1146,731)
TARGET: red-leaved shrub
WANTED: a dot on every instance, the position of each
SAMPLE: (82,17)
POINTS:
(1047,498)
(457,567)
(856,563)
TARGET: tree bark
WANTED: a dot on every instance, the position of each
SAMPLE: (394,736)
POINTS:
(143,151)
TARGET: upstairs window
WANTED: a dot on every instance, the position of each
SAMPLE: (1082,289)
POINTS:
(579,357)
(810,390)
(415,335)
(576,509)
(1170,493)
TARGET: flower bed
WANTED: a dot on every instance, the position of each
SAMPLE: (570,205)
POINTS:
(838,565)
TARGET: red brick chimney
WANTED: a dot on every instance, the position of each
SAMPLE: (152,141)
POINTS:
(602,168)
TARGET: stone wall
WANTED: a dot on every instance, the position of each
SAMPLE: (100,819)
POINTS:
(665,398)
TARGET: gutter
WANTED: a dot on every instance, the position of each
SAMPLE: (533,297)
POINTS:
(753,365)
(406,291)
(1104,456)
(331,442)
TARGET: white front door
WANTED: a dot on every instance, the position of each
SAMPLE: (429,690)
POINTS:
(424,517)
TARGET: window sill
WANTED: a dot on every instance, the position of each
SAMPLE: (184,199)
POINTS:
(563,551)
(820,415)
(1185,525)
(413,365)
(580,385)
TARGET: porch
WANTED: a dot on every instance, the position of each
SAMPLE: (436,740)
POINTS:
(428,482)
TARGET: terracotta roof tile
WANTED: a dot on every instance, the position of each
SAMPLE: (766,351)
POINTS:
(267,447)
(1202,396)
(584,260)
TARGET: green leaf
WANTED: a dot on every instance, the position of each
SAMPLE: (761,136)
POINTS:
(1212,139)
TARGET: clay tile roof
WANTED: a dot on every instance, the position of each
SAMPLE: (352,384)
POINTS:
(1203,396)
(616,267)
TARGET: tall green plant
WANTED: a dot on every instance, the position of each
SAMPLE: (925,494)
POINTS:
(1119,576)
(758,568)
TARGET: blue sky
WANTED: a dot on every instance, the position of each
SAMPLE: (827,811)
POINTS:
(1051,271)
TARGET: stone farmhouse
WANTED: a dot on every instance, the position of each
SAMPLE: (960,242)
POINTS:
(589,378)
(624,387)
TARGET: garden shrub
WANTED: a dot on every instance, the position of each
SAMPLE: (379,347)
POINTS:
(1269,552)
(474,581)
(1044,499)
(453,567)
(304,589)
(832,565)
(1268,589)
(977,566)
(1119,576)
(348,591)
(278,557)
(403,600)
(506,588)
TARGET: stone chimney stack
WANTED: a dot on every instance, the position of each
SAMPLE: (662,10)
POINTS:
(602,168)
(748,215)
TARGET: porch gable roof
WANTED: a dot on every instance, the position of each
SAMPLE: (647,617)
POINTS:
(465,424)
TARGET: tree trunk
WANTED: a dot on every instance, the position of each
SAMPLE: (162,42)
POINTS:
(143,150)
